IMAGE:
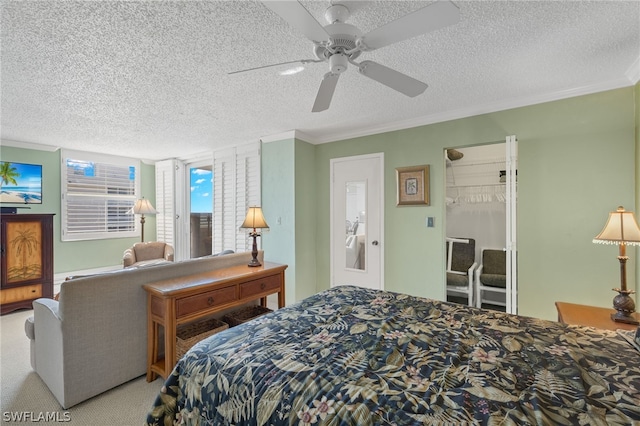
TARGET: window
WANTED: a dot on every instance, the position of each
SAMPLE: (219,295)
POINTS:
(236,186)
(98,192)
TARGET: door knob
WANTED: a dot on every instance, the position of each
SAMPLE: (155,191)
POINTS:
(374,242)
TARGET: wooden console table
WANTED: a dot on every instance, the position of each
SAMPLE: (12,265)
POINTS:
(590,316)
(182,300)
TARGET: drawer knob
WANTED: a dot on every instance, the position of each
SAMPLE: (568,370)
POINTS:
(262,286)
(210,301)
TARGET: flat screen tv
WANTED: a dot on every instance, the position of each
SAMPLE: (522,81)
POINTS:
(20,183)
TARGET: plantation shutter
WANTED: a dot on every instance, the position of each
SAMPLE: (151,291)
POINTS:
(236,186)
(98,192)
(165,201)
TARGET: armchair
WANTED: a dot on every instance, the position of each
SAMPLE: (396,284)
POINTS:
(491,277)
(461,264)
(149,253)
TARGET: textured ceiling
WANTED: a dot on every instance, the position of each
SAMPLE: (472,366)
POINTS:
(150,78)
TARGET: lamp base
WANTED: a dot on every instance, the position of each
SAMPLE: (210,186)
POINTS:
(254,251)
(255,262)
(625,306)
(625,318)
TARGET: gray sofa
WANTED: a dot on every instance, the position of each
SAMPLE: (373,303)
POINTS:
(94,337)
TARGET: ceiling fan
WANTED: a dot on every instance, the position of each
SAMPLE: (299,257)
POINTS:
(340,44)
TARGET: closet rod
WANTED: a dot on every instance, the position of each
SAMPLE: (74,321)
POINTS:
(476,186)
(479,163)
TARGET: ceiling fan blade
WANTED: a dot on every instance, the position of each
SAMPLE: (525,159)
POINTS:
(429,18)
(325,93)
(301,61)
(300,18)
(392,78)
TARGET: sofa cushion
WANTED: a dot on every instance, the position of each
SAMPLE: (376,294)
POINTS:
(147,251)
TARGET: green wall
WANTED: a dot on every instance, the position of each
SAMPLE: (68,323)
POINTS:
(289,203)
(78,255)
(306,218)
(576,163)
(278,205)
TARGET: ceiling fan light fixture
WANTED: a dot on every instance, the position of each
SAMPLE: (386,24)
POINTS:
(338,63)
(292,71)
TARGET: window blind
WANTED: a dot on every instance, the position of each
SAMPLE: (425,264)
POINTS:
(98,192)
(165,201)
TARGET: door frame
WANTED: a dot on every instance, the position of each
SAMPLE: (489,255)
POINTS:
(332,225)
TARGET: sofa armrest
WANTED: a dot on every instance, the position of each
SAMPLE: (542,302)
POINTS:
(47,309)
(129,257)
(49,357)
(168,252)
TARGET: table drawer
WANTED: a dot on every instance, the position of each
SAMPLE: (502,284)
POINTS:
(17,294)
(260,286)
(203,301)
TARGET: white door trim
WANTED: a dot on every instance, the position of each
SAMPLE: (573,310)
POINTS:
(512,248)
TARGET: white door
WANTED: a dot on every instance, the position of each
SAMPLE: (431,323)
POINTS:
(356,226)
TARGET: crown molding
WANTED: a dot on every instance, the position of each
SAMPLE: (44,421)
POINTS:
(290,134)
(29,145)
(476,110)
(633,73)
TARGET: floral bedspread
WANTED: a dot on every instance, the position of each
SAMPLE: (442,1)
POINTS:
(353,356)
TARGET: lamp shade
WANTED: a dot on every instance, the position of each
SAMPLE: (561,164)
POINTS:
(254,219)
(143,206)
(621,228)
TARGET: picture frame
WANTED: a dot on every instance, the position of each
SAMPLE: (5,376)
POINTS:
(413,185)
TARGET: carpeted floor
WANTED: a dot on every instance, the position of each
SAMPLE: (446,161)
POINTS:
(24,395)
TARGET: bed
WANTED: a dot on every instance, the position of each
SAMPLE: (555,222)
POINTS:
(355,356)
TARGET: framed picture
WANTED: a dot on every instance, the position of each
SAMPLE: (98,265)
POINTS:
(413,185)
(21,183)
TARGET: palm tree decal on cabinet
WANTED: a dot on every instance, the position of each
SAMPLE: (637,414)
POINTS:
(25,265)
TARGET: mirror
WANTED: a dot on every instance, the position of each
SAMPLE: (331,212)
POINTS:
(355,224)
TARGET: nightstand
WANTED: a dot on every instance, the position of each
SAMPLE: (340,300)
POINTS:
(591,316)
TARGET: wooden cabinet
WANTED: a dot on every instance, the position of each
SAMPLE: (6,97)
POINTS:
(27,260)
(190,298)
(590,316)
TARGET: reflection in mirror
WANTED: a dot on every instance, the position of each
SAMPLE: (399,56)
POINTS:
(355,226)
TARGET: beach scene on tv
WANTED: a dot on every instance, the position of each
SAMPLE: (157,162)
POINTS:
(20,183)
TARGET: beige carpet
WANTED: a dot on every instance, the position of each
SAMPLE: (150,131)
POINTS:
(23,394)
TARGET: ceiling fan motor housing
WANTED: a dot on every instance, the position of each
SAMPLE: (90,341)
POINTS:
(342,38)
(337,13)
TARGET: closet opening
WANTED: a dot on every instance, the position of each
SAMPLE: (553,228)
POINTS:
(476,243)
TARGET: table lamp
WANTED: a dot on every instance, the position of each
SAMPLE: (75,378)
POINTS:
(254,220)
(622,230)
